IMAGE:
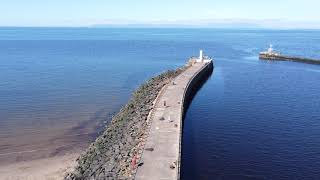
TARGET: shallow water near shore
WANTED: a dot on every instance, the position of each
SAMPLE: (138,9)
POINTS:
(252,118)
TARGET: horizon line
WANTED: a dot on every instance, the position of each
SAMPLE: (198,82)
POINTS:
(230,23)
(166,27)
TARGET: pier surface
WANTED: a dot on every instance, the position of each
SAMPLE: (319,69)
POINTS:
(279,57)
(160,157)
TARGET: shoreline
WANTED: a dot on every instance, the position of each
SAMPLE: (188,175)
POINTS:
(47,157)
(51,168)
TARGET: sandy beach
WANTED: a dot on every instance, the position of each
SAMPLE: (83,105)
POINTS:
(53,168)
(36,156)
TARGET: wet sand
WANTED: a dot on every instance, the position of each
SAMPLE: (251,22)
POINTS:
(44,153)
(53,168)
(45,159)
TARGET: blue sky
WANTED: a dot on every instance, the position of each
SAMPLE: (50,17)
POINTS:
(90,12)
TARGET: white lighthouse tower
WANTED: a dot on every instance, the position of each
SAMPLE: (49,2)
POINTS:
(201,59)
(201,55)
(270,50)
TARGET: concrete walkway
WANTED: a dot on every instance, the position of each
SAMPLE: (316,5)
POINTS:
(161,154)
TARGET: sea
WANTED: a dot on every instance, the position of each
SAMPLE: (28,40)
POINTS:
(252,119)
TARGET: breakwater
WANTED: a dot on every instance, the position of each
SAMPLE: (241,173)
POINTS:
(143,141)
(113,154)
(288,58)
(161,155)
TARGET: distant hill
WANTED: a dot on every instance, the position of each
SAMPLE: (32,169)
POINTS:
(214,23)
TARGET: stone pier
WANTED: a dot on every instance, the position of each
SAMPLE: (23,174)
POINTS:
(160,158)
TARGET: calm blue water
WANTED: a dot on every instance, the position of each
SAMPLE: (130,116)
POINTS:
(251,120)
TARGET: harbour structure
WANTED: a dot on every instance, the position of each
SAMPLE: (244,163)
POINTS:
(270,54)
(160,157)
(201,58)
(143,140)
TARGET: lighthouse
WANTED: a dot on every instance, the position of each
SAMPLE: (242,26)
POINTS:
(270,50)
(201,55)
(201,59)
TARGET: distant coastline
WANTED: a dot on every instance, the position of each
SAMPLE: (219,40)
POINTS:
(164,26)
(210,23)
